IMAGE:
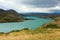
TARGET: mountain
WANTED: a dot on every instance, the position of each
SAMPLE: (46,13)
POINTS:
(12,12)
(56,11)
(42,15)
(10,16)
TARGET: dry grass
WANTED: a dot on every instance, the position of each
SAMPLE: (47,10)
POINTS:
(28,35)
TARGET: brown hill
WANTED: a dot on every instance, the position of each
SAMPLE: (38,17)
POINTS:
(10,16)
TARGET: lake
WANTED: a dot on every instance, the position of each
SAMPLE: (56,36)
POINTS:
(31,24)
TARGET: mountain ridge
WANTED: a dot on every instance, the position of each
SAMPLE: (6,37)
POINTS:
(10,16)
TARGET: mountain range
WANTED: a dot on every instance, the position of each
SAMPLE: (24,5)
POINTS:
(53,14)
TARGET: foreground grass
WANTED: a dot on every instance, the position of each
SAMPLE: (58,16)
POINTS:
(38,34)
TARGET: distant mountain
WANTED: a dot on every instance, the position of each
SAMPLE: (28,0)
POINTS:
(10,16)
(55,11)
(42,15)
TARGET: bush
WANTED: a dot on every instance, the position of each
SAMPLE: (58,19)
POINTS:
(52,26)
(26,29)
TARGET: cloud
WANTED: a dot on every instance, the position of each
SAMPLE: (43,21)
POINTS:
(30,5)
(41,3)
(9,4)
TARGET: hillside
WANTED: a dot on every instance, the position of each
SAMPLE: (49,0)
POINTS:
(41,33)
(10,16)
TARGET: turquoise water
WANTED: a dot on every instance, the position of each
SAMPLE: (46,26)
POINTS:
(31,24)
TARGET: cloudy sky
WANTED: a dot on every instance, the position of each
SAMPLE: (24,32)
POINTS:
(30,5)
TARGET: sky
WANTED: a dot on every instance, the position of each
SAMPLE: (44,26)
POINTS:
(30,5)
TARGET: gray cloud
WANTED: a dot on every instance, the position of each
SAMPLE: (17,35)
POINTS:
(30,5)
(40,3)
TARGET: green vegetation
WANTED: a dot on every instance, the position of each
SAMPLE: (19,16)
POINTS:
(29,19)
(52,26)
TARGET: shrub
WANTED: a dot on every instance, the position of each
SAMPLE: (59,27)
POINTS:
(52,26)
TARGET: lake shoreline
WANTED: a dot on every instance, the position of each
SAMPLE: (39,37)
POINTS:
(36,22)
(40,33)
(49,31)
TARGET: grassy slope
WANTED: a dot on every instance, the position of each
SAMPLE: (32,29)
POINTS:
(49,32)
(38,34)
